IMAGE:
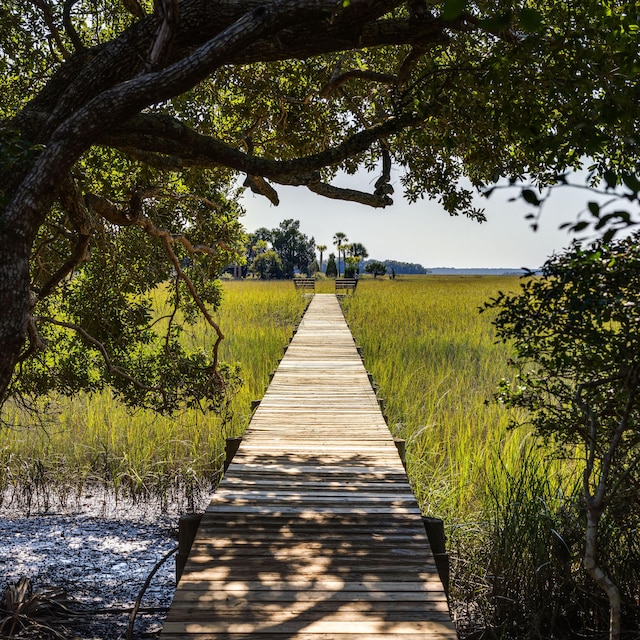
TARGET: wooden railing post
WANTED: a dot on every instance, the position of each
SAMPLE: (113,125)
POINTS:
(437,541)
(401,446)
(187,527)
(230,449)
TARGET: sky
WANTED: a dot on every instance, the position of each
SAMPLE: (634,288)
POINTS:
(423,232)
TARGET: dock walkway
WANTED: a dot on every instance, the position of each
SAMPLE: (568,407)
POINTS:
(314,533)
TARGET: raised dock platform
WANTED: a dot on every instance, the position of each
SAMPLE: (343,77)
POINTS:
(314,533)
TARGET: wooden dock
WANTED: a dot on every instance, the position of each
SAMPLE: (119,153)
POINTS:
(314,533)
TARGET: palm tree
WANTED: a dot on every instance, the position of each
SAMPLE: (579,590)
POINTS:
(321,248)
(358,250)
(339,239)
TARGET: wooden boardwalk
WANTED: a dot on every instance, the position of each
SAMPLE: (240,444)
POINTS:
(314,533)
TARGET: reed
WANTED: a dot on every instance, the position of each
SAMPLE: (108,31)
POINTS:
(509,507)
(91,439)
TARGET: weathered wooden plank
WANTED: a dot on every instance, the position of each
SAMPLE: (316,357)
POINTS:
(308,615)
(244,598)
(314,533)
(427,584)
(362,626)
(431,634)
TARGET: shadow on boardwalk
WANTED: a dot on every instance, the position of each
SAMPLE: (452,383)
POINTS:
(314,532)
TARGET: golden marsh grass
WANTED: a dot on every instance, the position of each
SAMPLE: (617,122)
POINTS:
(93,438)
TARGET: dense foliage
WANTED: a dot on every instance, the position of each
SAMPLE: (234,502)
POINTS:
(575,332)
(376,268)
(332,268)
(124,127)
(279,252)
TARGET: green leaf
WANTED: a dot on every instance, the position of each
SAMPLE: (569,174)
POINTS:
(497,23)
(530,197)
(531,20)
(453,8)
(610,178)
(594,207)
(631,181)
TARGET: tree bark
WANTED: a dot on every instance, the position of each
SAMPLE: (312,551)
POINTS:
(15,300)
(598,575)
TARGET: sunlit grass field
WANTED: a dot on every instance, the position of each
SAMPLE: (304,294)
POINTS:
(511,511)
(93,439)
(502,495)
(436,362)
(433,357)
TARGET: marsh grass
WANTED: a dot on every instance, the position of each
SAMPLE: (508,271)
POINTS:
(510,508)
(437,365)
(94,441)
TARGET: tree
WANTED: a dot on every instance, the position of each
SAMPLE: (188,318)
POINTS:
(123,131)
(321,248)
(332,270)
(255,244)
(296,250)
(376,268)
(339,239)
(351,266)
(267,265)
(575,332)
(358,251)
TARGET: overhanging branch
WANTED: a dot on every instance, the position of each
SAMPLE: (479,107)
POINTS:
(153,135)
(350,195)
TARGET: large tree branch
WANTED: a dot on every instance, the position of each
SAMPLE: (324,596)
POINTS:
(350,195)
(34,196)
(150,134)
(304,27)
(160,134)
(122,59)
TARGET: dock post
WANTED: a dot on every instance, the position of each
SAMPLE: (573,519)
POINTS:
(401,446)
(187,527)
(437,541)
(230,449)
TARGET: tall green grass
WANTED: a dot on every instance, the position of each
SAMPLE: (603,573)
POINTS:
(512,513)
(437,365)
(509,508)
(93,440)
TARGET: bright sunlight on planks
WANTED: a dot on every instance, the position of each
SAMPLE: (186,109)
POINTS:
(314,533)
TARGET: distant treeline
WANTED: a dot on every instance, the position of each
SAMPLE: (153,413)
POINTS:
(400,268)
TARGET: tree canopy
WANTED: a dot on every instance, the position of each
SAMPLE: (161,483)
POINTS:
(277,253)
(376,268)
(575,333)
(124,128)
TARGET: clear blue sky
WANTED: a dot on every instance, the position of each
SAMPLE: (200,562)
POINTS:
(423,232)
